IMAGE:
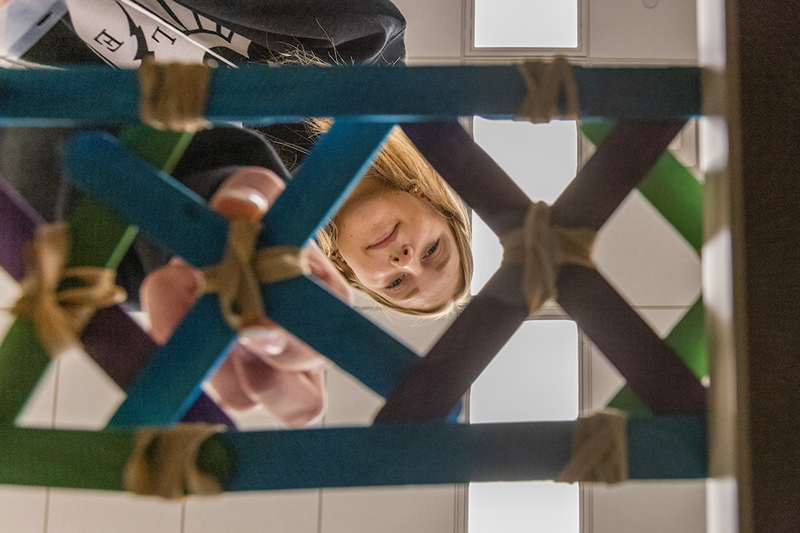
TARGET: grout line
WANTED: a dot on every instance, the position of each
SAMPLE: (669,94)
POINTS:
(324,424)
(319,512)
(46,509)
(183,514)
(55,393)
(52,426)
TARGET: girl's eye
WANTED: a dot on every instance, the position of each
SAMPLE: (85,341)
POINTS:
(432,249)
(395,284)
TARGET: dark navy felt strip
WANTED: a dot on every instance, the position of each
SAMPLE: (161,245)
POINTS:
(434,386)
(654,372)
(120,347)
(621,162)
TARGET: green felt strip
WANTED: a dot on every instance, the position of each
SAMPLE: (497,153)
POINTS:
(626,400)
(669,187)
(99,238)
(23,360)
(85,459)
(688,339)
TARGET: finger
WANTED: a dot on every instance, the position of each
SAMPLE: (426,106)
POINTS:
(296,398)
(167,294)
(247,193)
(225,385)
(324,270)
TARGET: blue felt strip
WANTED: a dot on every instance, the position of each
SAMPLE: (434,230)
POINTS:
(348,339)
(254,94)
(669,448)
(170,383)
(398,455)
(329,173)
(164,209)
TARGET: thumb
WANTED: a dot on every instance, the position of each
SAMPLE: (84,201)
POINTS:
(247,193)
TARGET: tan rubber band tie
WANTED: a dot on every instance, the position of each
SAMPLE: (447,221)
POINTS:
(546,82)
(173,95)
(164,462)
(541,247)
(61,315)
(238,277)
(599,449)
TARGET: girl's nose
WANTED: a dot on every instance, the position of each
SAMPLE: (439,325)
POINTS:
(404,258)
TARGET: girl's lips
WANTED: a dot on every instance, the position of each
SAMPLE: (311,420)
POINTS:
(384,240)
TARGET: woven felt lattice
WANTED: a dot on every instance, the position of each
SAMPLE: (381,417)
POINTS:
(417,389)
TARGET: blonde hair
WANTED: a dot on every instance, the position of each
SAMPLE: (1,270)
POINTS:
(400,166)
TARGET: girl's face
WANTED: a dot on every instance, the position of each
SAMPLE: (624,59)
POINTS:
(398,246)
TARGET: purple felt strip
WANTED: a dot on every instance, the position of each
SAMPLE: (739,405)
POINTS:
(660,379)
(18,222)
(122,349)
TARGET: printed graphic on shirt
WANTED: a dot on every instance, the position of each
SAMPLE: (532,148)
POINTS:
(123,31)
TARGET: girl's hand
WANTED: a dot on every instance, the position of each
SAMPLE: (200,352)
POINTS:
(267,365)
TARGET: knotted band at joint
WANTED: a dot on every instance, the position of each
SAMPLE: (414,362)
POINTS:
(60,315)
(173,96)
(546,82)
(541,247)
(164,462)
(238,277)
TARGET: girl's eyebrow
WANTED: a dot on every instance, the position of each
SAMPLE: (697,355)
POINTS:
(443,263)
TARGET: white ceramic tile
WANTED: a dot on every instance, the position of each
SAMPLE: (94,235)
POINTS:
(520,507)
(22,509)
(651,506)
(645,259)
(533,377)
(350,403)
(606,380)
(722,505)
(256,512)
(434,28)
(418,333)
(87,397)
(427,509)
(662,320)
(86,511)
(9,290)
(629,29)
(38,411)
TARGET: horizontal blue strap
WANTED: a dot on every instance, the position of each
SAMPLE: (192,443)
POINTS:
(258,95)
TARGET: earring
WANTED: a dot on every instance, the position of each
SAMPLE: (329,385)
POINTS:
(414,189)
